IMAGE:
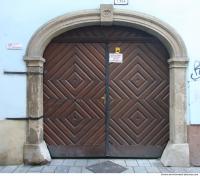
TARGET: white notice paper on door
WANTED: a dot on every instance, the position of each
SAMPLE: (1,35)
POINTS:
(115,57)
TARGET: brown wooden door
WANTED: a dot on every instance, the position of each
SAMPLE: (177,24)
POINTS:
(93,108)
(139,93)
(73,106)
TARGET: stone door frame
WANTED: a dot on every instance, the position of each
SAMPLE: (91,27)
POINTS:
(176,152)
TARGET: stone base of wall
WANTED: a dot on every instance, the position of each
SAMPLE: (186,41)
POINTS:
(12,139)
(194,144)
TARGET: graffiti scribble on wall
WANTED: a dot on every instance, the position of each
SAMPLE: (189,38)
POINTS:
(196,73)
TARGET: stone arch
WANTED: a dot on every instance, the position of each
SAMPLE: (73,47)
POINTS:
(176,152)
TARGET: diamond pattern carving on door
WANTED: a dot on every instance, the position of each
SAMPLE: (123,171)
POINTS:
(139,93)
(73,109)
(75,121)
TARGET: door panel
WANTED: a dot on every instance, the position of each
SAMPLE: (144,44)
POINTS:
(74,109)
(139,93)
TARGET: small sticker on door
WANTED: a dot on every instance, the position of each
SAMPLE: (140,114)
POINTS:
(115,57)
(117,50)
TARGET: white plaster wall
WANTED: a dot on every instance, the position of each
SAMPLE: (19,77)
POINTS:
(19,19)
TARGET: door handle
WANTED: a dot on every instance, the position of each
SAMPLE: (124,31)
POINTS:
(103,98)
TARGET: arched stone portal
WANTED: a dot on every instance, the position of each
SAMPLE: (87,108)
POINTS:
(176,152)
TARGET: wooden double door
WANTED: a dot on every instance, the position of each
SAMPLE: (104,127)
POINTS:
(94,108)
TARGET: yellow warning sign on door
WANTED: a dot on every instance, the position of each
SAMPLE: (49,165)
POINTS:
(117,49)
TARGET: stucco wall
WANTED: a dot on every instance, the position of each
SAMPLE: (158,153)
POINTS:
(12,135)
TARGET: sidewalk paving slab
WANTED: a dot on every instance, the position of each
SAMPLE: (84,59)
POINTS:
(192,169)
(155,162)
(179,170)
(1,167)
(9,169)
(143,162)
(62,169)
(35,168)
(92,161)
(129,170)
(140,169)
(56,162)
(152,169)
(131,162)
(69,162)
(119,161)
(84,170)
(166,169)
(75,169)
(81,162)
(22,169)
(48,169)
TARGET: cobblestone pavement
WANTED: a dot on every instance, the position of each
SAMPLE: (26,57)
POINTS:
(79,166)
